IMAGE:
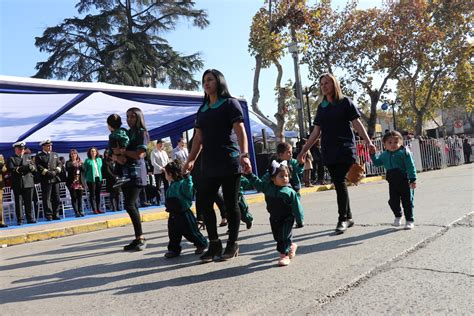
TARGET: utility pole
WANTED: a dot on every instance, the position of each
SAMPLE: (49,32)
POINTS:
(293,49)
(307,91)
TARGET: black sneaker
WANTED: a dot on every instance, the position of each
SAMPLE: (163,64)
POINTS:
(200,250)
(300,225)
(249,224)
(341,227)
(136,245)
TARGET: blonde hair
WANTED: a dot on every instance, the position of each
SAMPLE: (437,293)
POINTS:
(338,96)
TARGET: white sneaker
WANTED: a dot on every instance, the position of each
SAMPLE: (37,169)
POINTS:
(409,225)
(397,221)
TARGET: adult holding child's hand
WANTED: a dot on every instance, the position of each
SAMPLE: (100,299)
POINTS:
(221,139)
(333,120)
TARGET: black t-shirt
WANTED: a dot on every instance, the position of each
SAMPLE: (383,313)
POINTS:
(337,138)
(220,150)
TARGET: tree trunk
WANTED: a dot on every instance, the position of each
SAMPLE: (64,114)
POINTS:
(282,108)
(256,94)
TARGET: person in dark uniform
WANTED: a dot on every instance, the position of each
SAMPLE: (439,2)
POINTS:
(49,167)
(283,204)
(21,168)
(181,221)
(3,169)
(221,139)
(335,118)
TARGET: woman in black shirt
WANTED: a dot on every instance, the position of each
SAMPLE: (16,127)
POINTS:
(334,117)
(221,140)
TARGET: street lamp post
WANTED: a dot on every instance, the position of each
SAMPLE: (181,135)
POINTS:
(306,92)
(385,106)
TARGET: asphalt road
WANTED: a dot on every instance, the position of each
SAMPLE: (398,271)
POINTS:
(373,268)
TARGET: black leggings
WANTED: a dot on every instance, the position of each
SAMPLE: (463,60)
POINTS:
(94,194)
(338,174)
(208,189)
(130,195)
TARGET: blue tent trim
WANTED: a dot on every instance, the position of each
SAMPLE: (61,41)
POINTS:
(157,97)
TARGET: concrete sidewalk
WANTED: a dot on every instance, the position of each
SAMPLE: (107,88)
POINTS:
(72,226)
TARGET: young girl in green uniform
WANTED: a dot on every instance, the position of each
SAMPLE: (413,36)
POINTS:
(282,204)
(181,221)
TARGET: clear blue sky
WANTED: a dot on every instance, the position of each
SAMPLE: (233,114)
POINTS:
(223,44)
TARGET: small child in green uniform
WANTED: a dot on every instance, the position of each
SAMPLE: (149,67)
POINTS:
(285,152)
(181,221)
(401,176)
(118,138)
(282,204)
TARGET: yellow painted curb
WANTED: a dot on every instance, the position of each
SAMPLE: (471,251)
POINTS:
(13,240)
(90,227)
(118,222)
(46,234)
(149,217)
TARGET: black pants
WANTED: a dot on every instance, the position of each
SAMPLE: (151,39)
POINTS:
(51,200)
(207,191)
(219,200)
(76,200)
(24,195)
(467,157)
(318,170)
(282,230)
(158,179)
(130,195)
(338,174)
(94,194)
(184,224)
(399,189)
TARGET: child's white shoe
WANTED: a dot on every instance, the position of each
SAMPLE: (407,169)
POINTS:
(409,225)
(293,248)
(397,221)
(284,260)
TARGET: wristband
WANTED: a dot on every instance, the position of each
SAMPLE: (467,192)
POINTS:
(244,155)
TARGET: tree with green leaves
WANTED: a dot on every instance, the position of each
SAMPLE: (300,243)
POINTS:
(121,42)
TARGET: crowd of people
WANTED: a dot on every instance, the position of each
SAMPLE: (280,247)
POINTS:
(217,169)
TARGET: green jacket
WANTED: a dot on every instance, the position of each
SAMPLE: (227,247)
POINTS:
(183,191)
(90,170)
(400,159)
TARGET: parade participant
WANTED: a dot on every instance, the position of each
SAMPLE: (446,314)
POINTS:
(108,172)
(49,167)
(285,152)
(134,153)
(334,117)
(283,204)
(181,221)
(401,176)
(75,181)
(218,117)
(21,168)
(118,138)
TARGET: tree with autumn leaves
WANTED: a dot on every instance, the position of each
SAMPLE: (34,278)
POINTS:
(422,46)
(272,30)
